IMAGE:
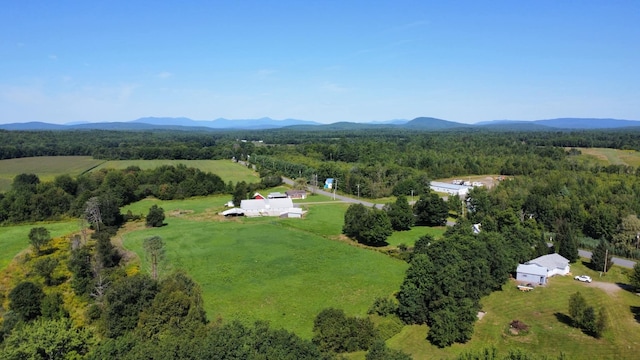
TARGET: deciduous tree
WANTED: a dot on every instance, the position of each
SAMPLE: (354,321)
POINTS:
(39,237)
(155,217)
(47,339)
(154,246)
(431,210)
(400,214)
(25,300)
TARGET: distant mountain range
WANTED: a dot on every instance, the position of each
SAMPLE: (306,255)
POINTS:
(418,124)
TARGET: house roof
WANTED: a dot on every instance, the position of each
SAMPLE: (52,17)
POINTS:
(551,261)
(532,269)
(449,186)
(290,192)
(233,211)
(263,204)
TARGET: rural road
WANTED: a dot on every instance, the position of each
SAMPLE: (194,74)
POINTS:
(583,253)
(331,194)
(618,261)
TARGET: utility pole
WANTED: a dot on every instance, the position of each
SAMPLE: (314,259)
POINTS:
(412,196)
(358,191)
(335,188)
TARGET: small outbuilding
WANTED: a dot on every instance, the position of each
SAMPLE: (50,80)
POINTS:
(296,194)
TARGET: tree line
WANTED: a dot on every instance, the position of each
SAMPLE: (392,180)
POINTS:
(31,199)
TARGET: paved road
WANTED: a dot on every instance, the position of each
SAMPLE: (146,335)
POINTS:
(332,195)
(583,253)
(618,261)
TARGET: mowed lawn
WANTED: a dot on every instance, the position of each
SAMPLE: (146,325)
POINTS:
(545,310)
(281,270)
(15,238)
(46,167)
(226,169)
(612,156)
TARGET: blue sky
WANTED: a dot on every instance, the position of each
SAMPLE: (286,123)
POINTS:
(325,61)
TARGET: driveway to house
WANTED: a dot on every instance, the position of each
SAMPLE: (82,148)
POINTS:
(609,288)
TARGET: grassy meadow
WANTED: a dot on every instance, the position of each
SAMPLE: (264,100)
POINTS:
(605,157)
(46,167)
(282,270)
(409,237)
(15,238)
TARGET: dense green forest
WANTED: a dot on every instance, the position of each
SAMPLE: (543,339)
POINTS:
(550,191)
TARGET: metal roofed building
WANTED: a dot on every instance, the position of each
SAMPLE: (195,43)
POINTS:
(451,189)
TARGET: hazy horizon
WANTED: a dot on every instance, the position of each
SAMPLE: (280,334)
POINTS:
(330,61)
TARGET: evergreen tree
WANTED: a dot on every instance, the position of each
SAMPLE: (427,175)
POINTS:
(577,306)
(634,276)
(566,241)
(601,322)
(601,259)
(541,247)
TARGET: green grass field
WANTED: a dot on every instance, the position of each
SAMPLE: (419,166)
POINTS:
(226,169)
(604,156)
(409,237)
(15,238)
(545,310)
(46,167)
(282,270)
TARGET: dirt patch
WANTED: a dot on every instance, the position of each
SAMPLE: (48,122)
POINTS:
(609,288)
(180,212)
(117,241)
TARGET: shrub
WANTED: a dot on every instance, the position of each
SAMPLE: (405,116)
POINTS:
(383,307)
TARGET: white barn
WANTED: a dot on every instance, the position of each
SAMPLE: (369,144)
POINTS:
(540,269)
(267,207)
(451,189)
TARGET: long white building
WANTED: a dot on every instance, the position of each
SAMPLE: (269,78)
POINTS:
(451,189)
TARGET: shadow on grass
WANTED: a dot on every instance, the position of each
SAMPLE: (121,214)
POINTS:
(635,310)
(626,287)
(564,318)
(586,264)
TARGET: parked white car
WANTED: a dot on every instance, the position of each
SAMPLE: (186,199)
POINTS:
(583,278)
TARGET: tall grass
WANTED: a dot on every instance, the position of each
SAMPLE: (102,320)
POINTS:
(15,238)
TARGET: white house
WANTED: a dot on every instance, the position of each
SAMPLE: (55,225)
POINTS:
(538,270)
(531,273)
(451,189)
